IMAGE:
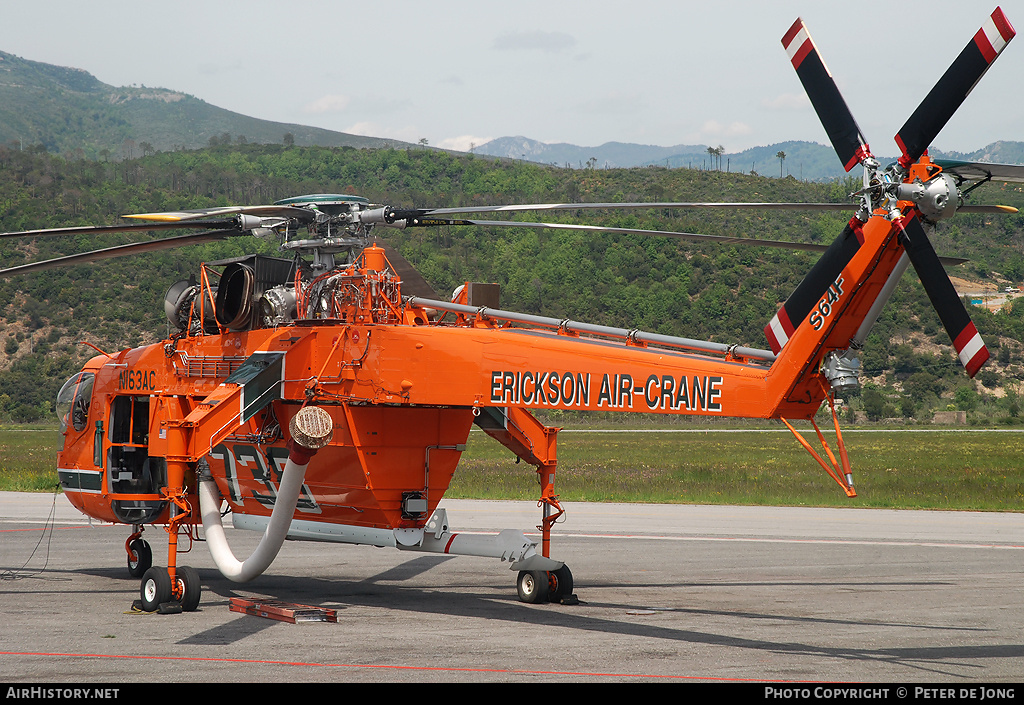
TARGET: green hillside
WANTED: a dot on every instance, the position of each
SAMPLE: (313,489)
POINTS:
(69,111)
(658,284)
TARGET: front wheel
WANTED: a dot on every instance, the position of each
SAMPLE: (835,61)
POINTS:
(155,590)
(532,586)
(140,558)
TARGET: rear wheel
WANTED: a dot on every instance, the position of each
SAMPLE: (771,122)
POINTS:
(188,584)
(559,584)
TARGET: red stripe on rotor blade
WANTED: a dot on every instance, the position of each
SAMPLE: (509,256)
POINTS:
(858,230)
(1006,30)
(782,319)
(975,363)
(904,160)
(862,153)
(985,46)
(967,341)
(787,38)
(965,336)
(802,53)
(787,325)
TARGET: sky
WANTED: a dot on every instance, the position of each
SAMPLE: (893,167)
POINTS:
(461,72)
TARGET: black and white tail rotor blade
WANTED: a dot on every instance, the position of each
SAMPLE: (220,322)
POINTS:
(832,110)
(824,276)
(953,88)
(970,348)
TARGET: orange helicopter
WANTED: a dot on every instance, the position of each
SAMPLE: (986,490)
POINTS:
(327,395)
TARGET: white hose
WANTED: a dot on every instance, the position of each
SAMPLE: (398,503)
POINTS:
(273,537)
(311,429)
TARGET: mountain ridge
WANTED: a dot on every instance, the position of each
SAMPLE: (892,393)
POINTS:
(804,160)
(67,110)
(70,111)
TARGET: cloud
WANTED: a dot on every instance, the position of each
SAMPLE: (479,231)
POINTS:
(786,101)
(408,133)
(713,128)
(548,42)
(463,143)
(217,69)
(327,104)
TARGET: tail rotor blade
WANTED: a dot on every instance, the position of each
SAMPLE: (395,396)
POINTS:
(970,348)
(828,103)
(825,274)
(953,88)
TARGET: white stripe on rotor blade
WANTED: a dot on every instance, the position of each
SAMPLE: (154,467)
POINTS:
(780,333)
(968,352)
(798,41)
(992,33)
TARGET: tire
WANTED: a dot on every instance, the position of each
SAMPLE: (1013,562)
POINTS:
(532,586)
(191,589)
(140,558)
(155,589)
(559,584)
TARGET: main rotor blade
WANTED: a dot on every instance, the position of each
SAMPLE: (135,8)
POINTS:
(970,348)
(696,237)
(699,237)
(121,251)
(953,88)
(834,114)
(419,212)
(134,227)
(982,171)
(302,214)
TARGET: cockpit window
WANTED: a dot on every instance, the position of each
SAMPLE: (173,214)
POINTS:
(73,401)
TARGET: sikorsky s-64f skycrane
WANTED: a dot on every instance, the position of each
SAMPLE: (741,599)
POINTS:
(327,395)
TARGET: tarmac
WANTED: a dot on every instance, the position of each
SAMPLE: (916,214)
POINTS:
(667,593)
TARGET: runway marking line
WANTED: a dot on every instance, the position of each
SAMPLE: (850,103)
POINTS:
(754,539)
(210,659)
(757,539)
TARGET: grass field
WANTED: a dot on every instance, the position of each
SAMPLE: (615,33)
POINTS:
(948,469)
(980,470)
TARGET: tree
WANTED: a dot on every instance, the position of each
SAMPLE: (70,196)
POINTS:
(874,403)
(781,156)
(716,156)
(289,139)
